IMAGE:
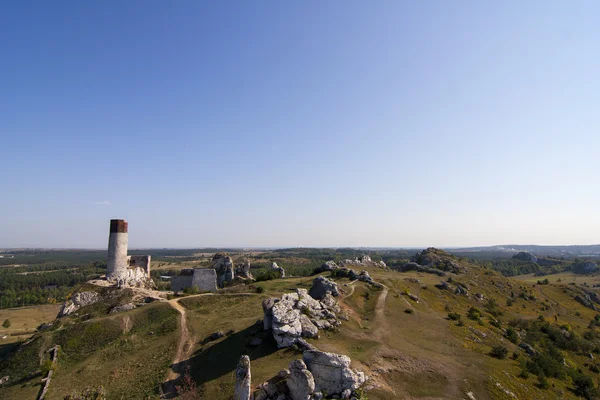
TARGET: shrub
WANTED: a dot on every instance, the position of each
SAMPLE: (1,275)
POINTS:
(454,316)
(499,352)
(584,386)
(543,382)
(509,302)
(409,311)
(6,323)
(474,314)
(511,335)
(260,289)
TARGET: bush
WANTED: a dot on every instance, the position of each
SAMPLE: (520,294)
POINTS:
(511,335)
(543,382)
(499,352)
(509,302)
(6,323)
(409,311)
(260,289)
(454,316)
(584,386)
(474,314)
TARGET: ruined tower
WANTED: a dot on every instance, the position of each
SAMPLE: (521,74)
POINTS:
(117,262)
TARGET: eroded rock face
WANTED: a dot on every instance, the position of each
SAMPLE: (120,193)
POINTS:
(243,380)
(301,383)
(124,307)
(243,271)
(78,300)
(279,269)
(298,315)
(223,265)
(332,372)
(267,306)
(329,266)
(321,286)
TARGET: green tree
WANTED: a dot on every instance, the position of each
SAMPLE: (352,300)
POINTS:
(6,323)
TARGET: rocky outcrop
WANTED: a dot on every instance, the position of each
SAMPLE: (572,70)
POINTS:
(301,383)
(524,256)
(223,265)
(329,266)
(298,315)
(438,259)
(243,271)
(317,375)
(267,306)
(243,380)
(332,373)
(279,269)
(413,266)
(321,286)
(78,300)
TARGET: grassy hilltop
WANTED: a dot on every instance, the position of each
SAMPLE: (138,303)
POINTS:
(502,338)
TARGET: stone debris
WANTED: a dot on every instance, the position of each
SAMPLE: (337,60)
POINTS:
(243,379)
(223,265)
(321,286)
(78,300)
(279,269)
(298,315)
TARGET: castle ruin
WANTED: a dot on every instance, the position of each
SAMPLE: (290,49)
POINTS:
(122,269)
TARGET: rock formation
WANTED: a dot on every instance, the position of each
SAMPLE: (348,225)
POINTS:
(317,375)
(301,383)
(332,373)
(321,286)
(243,271)
(524,256)
(279,269)
(78,300)
(298,315)
(243,380)
(438,259)
(223,265)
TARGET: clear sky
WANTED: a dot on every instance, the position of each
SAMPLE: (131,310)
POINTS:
(306,123)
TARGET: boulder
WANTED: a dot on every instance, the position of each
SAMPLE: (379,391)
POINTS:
(301,383)
(243,379)
(331,372)
(309,330)
(365,259)
(321,286)
(223,265)
(329,266)
(78,300)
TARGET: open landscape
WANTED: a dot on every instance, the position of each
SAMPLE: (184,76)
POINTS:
(439,326)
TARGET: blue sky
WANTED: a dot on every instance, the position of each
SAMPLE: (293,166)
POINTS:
(270,123)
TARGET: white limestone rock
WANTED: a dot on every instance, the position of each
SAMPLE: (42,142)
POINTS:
(301,383)
(332,372)
(321,286)
(243,379)
(78,300)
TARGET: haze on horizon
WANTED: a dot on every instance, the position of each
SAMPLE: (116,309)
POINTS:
(394,124)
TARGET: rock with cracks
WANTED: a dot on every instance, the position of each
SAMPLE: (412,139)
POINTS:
(301,383)
(223,265)
(243,380)
(332,372)
(321,286)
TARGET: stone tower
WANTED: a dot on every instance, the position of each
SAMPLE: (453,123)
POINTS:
(117,263)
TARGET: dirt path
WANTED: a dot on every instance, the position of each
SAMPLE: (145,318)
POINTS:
(382,325)
(184,348)
(186,343)
(351,285)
